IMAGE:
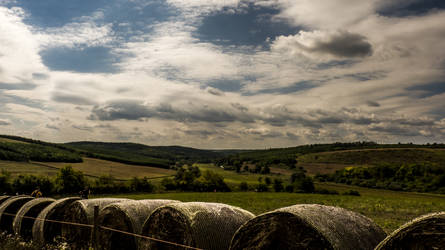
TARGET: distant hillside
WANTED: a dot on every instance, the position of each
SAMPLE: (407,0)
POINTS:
(15,148)
(338,154)
(133,153)
(21,149)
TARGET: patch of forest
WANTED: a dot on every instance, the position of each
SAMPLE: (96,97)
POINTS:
(12,151)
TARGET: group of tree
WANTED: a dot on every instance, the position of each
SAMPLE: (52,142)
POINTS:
(190,178)
(70,181)
(425,177)
(17,151)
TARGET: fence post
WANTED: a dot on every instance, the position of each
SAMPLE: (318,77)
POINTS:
(95,226)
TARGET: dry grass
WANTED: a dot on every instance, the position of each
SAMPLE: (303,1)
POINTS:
(90,167)
(97,167)
(18,168)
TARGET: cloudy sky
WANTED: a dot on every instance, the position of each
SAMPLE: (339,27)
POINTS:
(223,73)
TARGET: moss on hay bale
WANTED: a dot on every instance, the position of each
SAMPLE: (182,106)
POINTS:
(11,206)
(308,227)
(425,232)
(128,216)
(44,231)
(196,224)
(23,226)
(82,211)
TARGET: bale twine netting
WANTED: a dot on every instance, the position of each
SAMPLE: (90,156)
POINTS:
(44,231)
(196,224)
(308,227)
(8,210)
(22,224)
(82,212)
(425,232)
(128,216)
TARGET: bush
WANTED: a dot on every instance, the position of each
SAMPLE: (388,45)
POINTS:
(243,186)
(278,185)
(141,185)
(25,184)
(262,187)
(305,185)
(70,181)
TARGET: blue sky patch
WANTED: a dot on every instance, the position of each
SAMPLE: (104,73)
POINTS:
(251,27)
(86,60)
(428,90)
(56,13)
(413,8)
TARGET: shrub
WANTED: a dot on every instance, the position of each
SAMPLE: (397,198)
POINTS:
(243,186)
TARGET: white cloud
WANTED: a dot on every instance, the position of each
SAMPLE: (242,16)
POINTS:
(87,34)
(19,57)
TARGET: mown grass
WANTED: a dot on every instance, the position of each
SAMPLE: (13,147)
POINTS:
(20,168)
(387,208)
(121,171)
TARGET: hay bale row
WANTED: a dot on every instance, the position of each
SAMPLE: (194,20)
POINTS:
(23,226)
(82,211)
(196,224)
(128,216)
(8,210)
(308,227)
(44,231)
(425,232)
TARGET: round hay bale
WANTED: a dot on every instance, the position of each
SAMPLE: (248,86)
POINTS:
(44,231)
(4,198)
(425,232)
(82,212)
(9,209)
(308,227)
(128,216)
(32,208)
(196,224)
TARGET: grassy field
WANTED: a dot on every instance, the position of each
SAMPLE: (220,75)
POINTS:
(388,209)
(90,167)
(97,167)
(233,178)
(18,168)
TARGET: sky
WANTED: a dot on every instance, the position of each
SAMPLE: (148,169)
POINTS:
(221,74)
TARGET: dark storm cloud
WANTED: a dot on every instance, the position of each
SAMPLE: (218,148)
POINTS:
(17,86)
(411,8)
(344,44)
(72,99)
(136,110)
(296,87)
(427,90)
(395,130)
(121,110)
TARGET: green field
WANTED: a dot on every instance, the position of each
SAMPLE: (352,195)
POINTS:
(232,178)
(388,209)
